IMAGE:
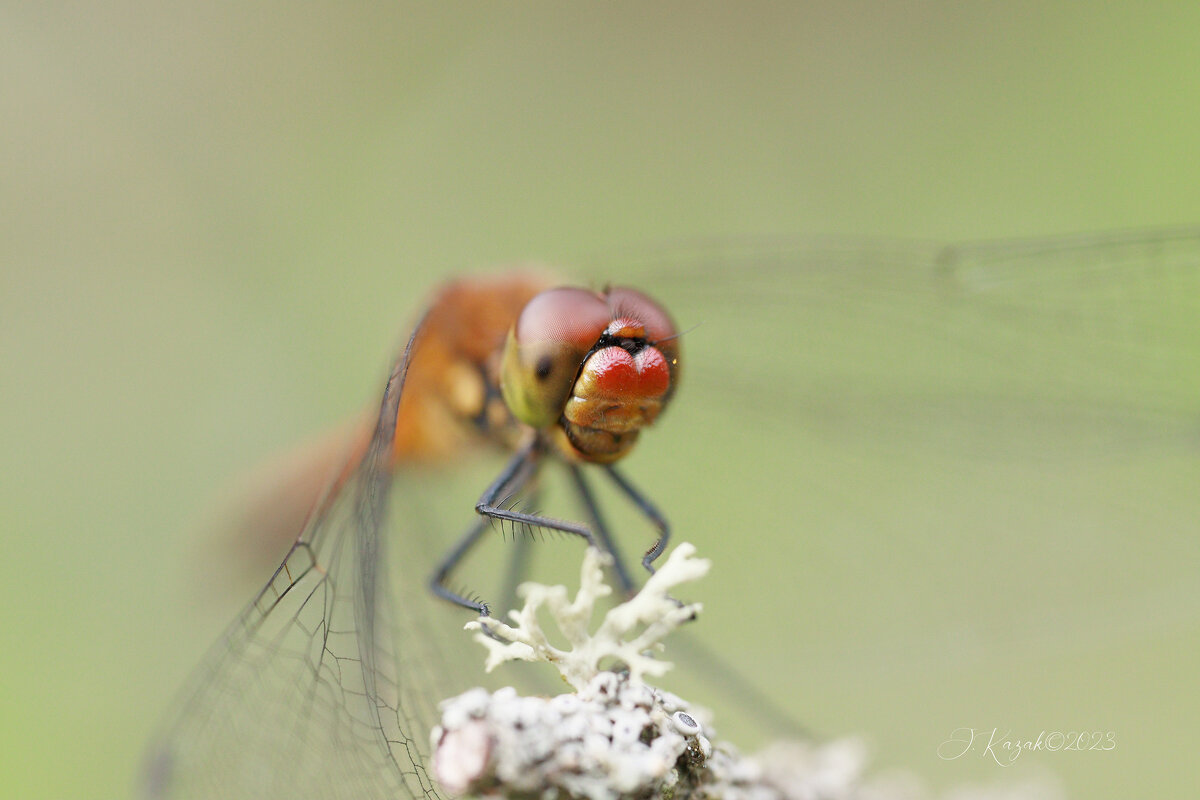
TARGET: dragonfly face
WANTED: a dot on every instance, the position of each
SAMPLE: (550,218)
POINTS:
(595,367)
(946,391)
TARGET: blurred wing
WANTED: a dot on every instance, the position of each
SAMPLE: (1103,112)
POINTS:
(307,694)
(1094,341)
(922,456)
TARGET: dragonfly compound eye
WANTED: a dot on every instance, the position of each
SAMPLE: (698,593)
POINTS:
(598,365)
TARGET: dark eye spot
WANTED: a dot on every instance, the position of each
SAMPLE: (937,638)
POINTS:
(545,366)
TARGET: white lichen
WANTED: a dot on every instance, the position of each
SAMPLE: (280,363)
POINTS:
(618,737)
(613,738)
(628,634)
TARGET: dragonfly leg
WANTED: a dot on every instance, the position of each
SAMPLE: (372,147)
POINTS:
(649,511)
(491,506)
(518,562)
(437,581)
(601,529)
(514,477)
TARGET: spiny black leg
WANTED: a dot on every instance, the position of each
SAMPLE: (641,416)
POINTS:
(518,563)
(489,503)
(649,511)
(601,529)
(512,478)
(437,581)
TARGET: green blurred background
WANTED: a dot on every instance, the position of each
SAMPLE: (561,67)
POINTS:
(215,220)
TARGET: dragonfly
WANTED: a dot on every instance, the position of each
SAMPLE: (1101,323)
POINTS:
(1041,357)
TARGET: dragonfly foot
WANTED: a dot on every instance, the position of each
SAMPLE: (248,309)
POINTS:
(487,631)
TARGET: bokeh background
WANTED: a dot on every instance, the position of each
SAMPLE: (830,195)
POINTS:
(216,219)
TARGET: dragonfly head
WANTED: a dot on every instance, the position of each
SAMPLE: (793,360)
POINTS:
(593,367)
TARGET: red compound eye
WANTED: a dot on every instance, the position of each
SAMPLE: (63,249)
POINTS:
(600,365)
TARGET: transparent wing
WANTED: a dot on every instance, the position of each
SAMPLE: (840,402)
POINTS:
(309,693)
(917,459)
(1074,337)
